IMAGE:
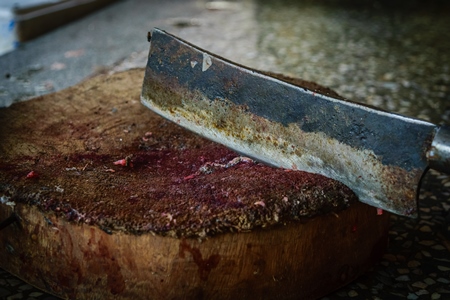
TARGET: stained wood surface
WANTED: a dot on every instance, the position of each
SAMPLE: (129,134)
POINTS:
(75,240)
(94,154)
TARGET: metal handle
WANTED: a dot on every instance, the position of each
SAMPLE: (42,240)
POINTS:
(439,154)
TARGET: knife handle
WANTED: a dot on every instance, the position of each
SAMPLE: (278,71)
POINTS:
(439,153)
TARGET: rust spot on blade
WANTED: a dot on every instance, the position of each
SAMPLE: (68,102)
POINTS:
(390,187)
(377,154)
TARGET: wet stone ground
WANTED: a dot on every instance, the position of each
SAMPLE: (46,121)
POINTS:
(395,57)
(417,262)
(392,54)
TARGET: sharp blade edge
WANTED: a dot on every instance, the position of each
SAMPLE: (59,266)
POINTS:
(379,155)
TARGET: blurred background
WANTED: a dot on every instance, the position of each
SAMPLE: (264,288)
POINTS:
(391,54)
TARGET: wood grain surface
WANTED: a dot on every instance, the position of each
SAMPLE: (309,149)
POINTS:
(78,168)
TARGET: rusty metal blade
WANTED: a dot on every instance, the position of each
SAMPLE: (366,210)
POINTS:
(381,156)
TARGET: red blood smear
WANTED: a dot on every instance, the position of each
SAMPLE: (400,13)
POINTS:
(121,162)
(192,176)
(32,174)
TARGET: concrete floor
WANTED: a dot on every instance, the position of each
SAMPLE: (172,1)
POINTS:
(91,45)
(115,38)
(390,54)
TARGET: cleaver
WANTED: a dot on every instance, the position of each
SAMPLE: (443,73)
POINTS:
(380,155)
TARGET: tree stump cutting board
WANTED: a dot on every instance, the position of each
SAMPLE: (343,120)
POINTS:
(114,202)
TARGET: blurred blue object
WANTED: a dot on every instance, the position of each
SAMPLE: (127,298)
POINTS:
(8,39)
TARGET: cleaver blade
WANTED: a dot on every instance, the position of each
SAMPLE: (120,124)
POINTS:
(381,156)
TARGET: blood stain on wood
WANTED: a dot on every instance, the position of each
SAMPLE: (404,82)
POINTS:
(104,174)
(205,266)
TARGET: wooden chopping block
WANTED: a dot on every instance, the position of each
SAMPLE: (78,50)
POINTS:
(114,202)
